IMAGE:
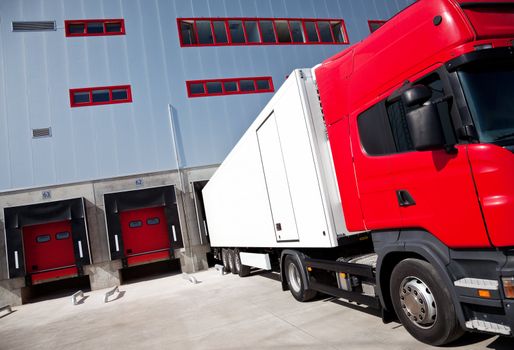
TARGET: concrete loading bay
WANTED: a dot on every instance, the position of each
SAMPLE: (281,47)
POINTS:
(218,312)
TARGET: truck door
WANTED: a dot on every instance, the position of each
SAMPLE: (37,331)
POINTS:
(373,146)
(435,189)
(276,181)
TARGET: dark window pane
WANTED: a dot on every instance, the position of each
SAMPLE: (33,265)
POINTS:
(375,25)
(324,32)
(76,28)
(337,31)
(100,95)
(204,32)
(375,131)
(312,34)
(236,31)
(135,224)
(119,94)
(297,31)
(95,27)
(81,97)
(196,88)
(152,221)
(188,35)
(230,86)
(283,32)
(113,27)
(252,32)
(220,31)
(263,85)
(62,235)
(42,238)
(214,87)
(247,85)
(398,122)
(268,33)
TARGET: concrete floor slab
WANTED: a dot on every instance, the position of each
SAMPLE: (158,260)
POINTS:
(220,312)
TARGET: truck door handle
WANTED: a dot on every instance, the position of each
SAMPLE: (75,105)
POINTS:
(404,198)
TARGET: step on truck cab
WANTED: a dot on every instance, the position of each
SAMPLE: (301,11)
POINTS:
(419,139)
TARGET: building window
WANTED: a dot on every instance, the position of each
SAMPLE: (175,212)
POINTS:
(100,95)
(235,86)
(374,25)
(260,31)
(94,27)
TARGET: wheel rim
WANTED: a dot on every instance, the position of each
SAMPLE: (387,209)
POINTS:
(417,302)
(294,277)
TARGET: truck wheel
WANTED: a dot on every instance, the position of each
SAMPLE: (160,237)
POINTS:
(295,280)
(243,270)
(232,262)
(225,260)
(423,304)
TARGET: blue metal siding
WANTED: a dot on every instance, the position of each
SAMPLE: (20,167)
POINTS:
(38,69)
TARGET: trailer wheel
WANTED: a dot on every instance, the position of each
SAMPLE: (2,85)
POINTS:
(423,304)
(295,280)
(225,260)
(231,261)
(243,270)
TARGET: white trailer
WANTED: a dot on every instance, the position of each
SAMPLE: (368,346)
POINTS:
(277,187)
(275,199)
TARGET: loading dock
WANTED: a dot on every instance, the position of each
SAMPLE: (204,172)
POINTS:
(143,225)
(47,241)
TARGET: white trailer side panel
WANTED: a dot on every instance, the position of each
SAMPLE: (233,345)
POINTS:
(272,189)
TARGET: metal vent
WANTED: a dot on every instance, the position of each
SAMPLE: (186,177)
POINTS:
(44,132)
(32,26)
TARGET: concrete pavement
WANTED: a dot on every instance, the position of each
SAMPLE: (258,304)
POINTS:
(221,312)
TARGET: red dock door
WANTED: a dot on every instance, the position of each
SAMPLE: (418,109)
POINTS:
(144,231)
(48,247)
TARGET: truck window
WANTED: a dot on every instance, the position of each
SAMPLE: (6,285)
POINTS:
(383,128)
(375,131)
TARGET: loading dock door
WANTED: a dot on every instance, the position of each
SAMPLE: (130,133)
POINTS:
(145,231)
(49,251)
(200,210)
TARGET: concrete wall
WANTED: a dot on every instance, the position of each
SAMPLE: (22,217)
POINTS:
(103,272)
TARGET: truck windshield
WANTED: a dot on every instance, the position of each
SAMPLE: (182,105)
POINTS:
(489,91)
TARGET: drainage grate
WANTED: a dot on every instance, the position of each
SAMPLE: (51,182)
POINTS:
(44,132)
(32,26)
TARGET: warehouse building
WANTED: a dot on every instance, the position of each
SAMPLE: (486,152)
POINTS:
(114,114)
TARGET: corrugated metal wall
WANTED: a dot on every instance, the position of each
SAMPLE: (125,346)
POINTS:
(38,69)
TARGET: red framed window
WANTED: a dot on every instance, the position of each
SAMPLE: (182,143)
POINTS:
(374,25)
(233,86)
(100,95)
(94,27)
(260,31)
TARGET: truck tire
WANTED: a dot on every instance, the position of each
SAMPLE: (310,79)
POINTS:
(224,259)
(295,281)
(231,261)
(243,270)
(423,304)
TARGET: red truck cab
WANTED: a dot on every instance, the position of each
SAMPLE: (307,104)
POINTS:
(420,118)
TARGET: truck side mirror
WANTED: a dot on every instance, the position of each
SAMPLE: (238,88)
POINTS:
(416,95)
(425,128)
